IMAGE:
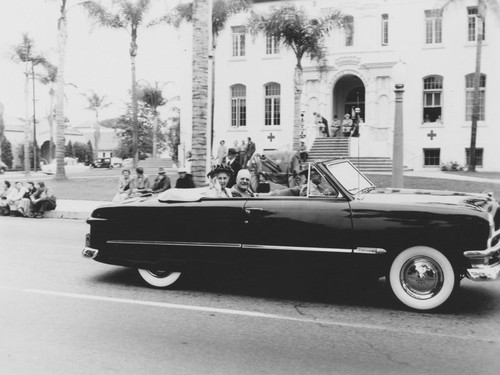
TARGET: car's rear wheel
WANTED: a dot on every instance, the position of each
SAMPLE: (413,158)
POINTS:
(160,278)
(422,278)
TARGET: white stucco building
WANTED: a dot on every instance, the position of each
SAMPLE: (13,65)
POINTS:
(254,81)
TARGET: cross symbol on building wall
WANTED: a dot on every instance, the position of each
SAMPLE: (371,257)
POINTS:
(431,135)
(270,137)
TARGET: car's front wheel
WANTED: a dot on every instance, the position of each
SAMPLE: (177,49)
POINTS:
(160,278)
(422,278)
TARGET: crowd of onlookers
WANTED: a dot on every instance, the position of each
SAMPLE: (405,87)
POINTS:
(141,184)
(28,199)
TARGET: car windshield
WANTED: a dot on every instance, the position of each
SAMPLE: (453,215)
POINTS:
(349,177)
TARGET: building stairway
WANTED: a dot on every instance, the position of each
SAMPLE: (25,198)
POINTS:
(335,148)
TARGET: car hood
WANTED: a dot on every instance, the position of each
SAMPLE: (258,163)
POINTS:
(420,196)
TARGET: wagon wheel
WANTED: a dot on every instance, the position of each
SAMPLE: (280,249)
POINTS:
(422,278)
(160,278)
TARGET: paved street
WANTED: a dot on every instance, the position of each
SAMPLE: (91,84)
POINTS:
(61,313)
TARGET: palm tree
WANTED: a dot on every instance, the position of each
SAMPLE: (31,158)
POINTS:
(153,97)
(127,15)
(482,6)
(95,104)
(24,54)
(50,78)
(303,35)
(222,10)
(201,36)
(62,36)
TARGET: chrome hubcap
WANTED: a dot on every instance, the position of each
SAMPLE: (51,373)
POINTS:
(160,274)
(421,277)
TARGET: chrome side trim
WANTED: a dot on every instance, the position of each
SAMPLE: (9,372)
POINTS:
(296,248)
(359,250)
(369,250)
(173,243)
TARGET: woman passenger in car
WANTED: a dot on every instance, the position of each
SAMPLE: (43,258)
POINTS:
(219,177)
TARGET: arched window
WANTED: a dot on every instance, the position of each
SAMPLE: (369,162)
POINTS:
(272,104)
(433,98)
(238,105)
(469,96)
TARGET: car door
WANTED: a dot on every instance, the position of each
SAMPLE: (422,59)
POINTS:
(205,230)
(298,229)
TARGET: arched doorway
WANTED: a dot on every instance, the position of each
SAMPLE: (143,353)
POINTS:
(47,153)
(348,94)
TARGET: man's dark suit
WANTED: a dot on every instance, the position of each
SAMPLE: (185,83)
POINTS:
(235,166)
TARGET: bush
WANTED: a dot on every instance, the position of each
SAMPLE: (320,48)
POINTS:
(6,153)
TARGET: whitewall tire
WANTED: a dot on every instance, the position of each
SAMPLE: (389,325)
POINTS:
(422,278)
(160,278)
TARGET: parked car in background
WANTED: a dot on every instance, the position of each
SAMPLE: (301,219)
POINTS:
(116,162)
(102,163)
(69,164)
(422,241)
(3,167)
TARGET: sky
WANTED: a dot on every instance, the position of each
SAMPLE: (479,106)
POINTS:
(97,58)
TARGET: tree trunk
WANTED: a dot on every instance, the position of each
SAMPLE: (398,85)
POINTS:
(27,123)
(97,136)
(201,29)
(477,80)
(135,122)
(296,110)
(155,133)
(60,120)
(50,119)
(212,89)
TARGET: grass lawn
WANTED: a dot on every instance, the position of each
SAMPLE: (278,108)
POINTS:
(103,188)
(440,184)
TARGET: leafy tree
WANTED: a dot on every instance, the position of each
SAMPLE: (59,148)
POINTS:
(124,129)
(95,104)
(482,7)
(302,34)
(153,97)
(82,151)
(69,150)
(6,152)
(22,156)
(90,154)
(128,15)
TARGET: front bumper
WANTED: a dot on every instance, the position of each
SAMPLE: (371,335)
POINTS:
(89,252)
(485,264)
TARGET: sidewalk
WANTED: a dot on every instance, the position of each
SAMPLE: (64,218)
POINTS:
(74,209)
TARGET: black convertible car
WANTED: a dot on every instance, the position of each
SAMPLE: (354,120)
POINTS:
(424,242)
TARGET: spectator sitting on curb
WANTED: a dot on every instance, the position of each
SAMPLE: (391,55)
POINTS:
(161,183)
(5,195)
(141,183)
(125,185)
(43,200)
(25,204)
(15,197)
(185,180)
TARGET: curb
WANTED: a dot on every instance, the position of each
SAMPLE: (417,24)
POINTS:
(74,209)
